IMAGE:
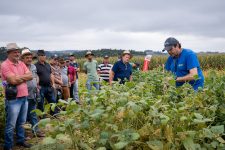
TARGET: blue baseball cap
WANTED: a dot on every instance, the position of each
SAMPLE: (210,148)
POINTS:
(169,43)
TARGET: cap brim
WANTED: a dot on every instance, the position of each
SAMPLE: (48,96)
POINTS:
(89,54)
(28,53)
(167,48)
(13,49)
(127,54)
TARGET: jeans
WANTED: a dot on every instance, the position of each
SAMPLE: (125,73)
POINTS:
(16,115)
(48,93)
(31,116)
(75,91)
(94,83)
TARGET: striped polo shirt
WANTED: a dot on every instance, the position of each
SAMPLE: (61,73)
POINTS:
(104,70)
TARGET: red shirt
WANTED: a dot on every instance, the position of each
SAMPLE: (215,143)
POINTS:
(8,68)
(71,72)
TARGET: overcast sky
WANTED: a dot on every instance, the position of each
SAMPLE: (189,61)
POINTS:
(124,24)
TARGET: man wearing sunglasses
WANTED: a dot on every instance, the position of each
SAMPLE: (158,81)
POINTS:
(184,64)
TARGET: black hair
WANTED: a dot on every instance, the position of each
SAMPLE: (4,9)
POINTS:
(178,44)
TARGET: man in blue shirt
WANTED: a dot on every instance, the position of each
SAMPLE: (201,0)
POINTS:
(122,69)
(183,63)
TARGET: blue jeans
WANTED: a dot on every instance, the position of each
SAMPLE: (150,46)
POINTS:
(48,93)
(75,91)
(31,116)
(94,83)
(16,115)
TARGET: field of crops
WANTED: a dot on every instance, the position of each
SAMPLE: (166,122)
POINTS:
(216,61)
(147,113)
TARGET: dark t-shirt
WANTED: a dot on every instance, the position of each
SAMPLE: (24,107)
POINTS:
(44,74)
(122,71)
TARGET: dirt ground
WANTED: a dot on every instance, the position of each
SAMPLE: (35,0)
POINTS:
(32,141)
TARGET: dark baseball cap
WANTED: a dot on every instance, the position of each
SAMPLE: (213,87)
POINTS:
(41,53)
(106,56)
(169,43)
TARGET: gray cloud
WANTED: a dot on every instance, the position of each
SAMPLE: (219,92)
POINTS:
(47,23)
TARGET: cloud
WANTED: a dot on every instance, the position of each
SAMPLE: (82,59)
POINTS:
(130,24)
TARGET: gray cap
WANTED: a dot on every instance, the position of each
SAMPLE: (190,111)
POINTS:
(169,43)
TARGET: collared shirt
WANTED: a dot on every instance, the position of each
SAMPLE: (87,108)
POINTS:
(180,67)
(44,73)
(122,71)
(71,72)
(104,70)
(91,68)
(57,74)
(8,68)
(32,84)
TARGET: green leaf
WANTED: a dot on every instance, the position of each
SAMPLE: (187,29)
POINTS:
(62,112)
(164,119)
(198,115)
(196,77)
(97,113)
(120,145)
(207,133)
(134,106)
(101,148)
(69,122)
(134,136)
(48,141)
(104,135)
(43,122)
(53,105)
(38,112)
(189,144)
(183,118)
(217,129)
(155,145)
(47,108)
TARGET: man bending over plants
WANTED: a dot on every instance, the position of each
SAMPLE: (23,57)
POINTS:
(184,64)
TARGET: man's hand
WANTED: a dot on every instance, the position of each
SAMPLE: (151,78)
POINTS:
(53,85)
(78,69)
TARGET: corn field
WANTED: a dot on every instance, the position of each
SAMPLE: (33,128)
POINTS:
(215,61)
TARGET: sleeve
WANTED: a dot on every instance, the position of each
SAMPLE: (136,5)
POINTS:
(192,61)
(131,68)
(115,67)
(167,65)
(26,70)
(111,67)
(99,67)
(5,71)
(96,65)
(84,67)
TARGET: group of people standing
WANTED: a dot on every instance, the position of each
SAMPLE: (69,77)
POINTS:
(27,85)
